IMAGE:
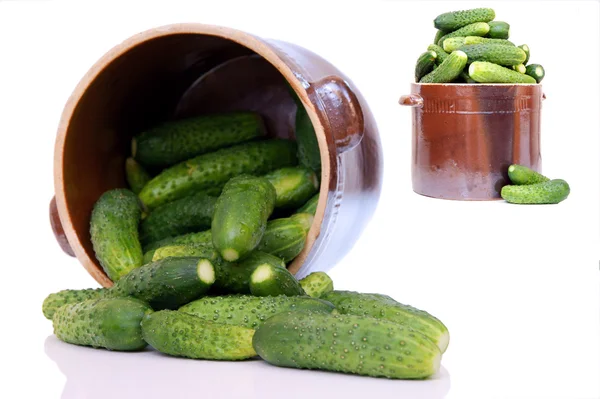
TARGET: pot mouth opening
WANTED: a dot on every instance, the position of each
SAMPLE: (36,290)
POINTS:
(164,74)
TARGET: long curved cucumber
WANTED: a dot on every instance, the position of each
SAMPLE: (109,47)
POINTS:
(65,297)
(451,21)
(487,72)
(476,29)
(448,70)
(176,141)
(548,192)
(496,53)
(217,168)
(519,175)
(346,343)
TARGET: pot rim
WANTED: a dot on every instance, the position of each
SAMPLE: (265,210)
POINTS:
(247,40)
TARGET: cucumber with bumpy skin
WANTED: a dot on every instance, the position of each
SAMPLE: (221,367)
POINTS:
(448,70)
(496,53)
(180,334)
(202,237)
(499,30)
(136,175)
(441,55)
(114,232)
(317,284)
(383,307)
(476,29)
(487,72)
(536,71)
(184,250)
(548,192)
(234,278)
(453,43)
(176,141)
(310,206)
(251,311)
(111,323)
(269,280)
(65,297)
(424,64)
(170,282)
(217,168)
(486,40)
(451,21)
(293,185)
(346,343)
(241,215)
(525,48)
(185,215)
(521,175)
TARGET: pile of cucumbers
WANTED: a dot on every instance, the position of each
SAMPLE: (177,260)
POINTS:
(470,47)
(531,187)
(198,248)
(169,304)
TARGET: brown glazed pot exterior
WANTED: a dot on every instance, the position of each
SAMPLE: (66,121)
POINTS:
(138,83)
(464,137)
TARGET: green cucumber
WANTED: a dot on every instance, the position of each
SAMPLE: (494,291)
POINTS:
(176,141)
(448,70)
(234,278)
(519,68)
(536,71)
(170,282)
(424,64)
(202,237)
(114,232)
(180,334)
(185,215)
(304,219)
(216,168)
(451,21)
(251,311)
(285,237)
(269,280)
(476,29)
(521,175)
(499,30)
(346,343)
(293,186)
(441,55)
(111,323)
(65,297)
(383,307)
(487,72)
(548,192)
(453,43)
(438,35)
(184,250)
(317,284)
(486,40)
(310,206)
(241,215)
(525,48)
(496,53)
(136,175)
(309,154)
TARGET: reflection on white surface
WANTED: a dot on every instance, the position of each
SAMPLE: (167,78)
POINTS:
(97,373)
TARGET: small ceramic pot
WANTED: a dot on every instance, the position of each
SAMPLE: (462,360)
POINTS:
(464,137)
(155,76)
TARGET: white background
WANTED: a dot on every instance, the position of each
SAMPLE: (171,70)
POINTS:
(517,286)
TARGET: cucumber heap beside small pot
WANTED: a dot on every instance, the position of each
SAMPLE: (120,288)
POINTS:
(491,58)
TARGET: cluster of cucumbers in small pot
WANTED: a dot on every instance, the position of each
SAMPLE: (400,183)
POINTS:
(198,248)
(470,47)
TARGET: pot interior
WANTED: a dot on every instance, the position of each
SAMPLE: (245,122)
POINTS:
(160,79)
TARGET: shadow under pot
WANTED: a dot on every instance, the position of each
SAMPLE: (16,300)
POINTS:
(185,70)
(465,136)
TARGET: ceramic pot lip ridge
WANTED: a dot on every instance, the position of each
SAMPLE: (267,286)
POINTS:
(245,39)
